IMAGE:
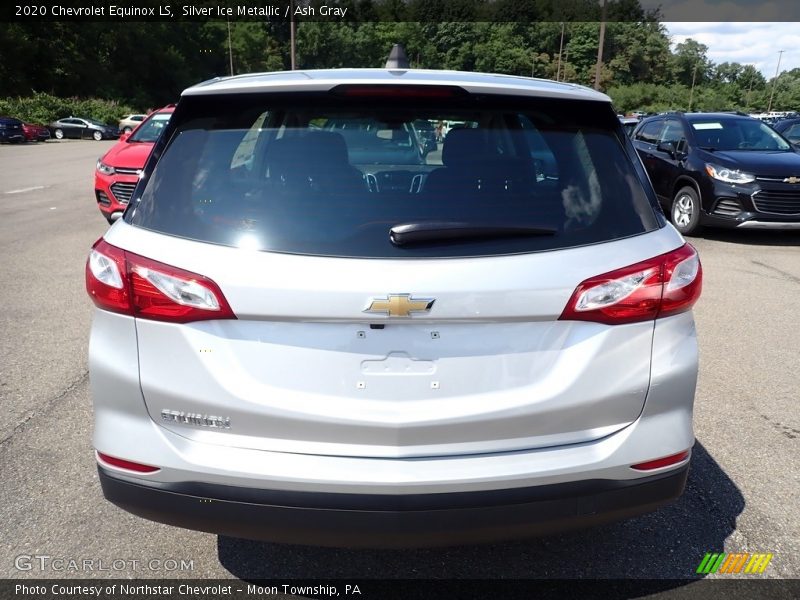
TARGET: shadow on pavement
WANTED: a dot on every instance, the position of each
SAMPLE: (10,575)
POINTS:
(667,544)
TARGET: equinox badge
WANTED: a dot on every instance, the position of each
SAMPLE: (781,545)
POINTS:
(399,305)
(184,418)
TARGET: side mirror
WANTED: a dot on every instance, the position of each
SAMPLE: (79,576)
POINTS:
(124,136)
(667,147)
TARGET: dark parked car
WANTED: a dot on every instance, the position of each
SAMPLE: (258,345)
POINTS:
(35,133)
(790,129)
(80,128)
(11,130)
(721,169)
(629,124)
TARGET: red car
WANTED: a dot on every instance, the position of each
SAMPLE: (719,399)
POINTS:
(118,170)
(35,133)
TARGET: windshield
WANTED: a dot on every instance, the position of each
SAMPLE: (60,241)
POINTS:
(150,129)
(332,176)
(737,134)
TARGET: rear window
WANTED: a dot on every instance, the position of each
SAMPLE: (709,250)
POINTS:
(328,175)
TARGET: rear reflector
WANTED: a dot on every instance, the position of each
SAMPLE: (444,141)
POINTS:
(125,464)
(123,282)
(658,463)
(661,286)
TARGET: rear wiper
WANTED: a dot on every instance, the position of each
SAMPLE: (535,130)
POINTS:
(434,231)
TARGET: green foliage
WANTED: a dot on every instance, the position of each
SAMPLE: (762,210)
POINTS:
(149,64)
(44,108)
(690,63)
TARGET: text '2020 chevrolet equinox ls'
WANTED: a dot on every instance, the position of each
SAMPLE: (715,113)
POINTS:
(310,328)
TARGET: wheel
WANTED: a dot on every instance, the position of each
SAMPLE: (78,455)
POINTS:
(59,134)
(126,129)
(97,136)
(685,211)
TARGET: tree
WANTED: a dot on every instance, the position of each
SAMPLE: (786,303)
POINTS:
(728,72)
(149,64)
(690,63)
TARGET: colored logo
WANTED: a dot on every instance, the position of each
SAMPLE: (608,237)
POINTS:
(399,305)
(734,563)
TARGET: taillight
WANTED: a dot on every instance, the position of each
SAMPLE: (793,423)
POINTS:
(658,287)
(106,278)
(166,293)
(130,284)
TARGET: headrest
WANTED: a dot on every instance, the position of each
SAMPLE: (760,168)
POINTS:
(463,145)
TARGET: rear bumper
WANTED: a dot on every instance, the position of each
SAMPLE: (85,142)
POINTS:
(386,521)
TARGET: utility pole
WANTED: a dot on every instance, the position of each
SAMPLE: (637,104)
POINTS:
(230,47)
(292,34)
(560,50)
(599,65)
(775,81)
(691,93)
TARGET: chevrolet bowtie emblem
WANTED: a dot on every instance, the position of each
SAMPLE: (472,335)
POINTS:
(792,180)
(399,305)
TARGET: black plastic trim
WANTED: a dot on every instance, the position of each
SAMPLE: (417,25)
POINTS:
(367,520)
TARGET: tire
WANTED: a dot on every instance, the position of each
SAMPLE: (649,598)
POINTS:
(97,135)
(685,211)
(59,134)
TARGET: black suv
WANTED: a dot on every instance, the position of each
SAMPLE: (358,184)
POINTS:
(720,169)
(11,130)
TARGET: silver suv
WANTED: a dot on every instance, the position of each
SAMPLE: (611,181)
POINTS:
(310,330)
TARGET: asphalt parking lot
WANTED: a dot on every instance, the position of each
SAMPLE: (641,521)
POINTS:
(742,492)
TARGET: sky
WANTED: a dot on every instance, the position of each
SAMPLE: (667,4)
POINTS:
(746,43)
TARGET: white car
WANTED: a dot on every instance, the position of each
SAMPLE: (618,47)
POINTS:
(130,122)
(298,340)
